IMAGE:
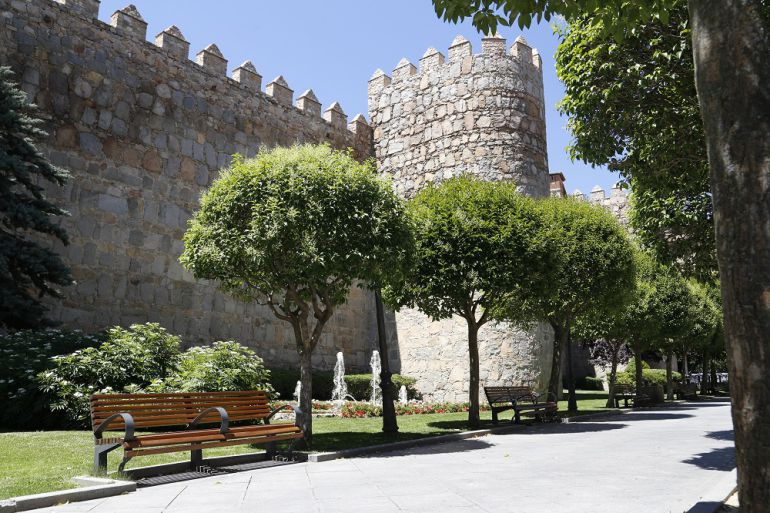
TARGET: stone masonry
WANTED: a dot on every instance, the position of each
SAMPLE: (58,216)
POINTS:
(144,130)
(481,114)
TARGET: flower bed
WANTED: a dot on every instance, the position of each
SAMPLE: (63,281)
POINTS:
(362,409)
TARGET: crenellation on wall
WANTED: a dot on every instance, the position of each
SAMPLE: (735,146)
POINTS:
(144,130)
(431,59)
(494,45)
(308,102)
(336,116)
(280,91)
(246,75)
(211,59)
(617,202)
(130,22)
(172,41)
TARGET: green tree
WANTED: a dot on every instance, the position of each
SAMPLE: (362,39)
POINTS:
(294,229)
(632,106)
(592,275)
(731,52)
(28,271)
(475,242)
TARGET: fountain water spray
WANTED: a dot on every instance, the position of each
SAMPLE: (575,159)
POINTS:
(340,390)
(297,391)
(376,365)
(403,398)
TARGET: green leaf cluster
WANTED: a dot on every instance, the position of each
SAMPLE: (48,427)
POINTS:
(476,242)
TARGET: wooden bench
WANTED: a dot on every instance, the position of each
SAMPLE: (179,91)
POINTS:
(182,422)
(626,392)
(686,391)
(520,399)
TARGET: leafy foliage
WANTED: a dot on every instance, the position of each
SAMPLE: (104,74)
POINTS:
(24,354)
(284,381)
(222,366)
(632,106)
(28,271)
(649,377)
(488,14)
(128,360)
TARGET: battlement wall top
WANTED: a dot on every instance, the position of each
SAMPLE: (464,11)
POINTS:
(128,22)
(460,55)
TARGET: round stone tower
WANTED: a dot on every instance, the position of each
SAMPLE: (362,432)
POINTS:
(480,114)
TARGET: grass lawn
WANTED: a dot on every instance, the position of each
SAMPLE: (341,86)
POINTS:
(42,461)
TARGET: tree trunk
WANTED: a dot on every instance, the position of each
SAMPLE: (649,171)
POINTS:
(305,420)
(714,379)
(731,49)
(685,369)
(638,376)
(669,377)
(559,341)
(572,399)
(705,388)
(613,377)
(473,383)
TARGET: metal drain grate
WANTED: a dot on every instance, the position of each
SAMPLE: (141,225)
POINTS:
(206,471)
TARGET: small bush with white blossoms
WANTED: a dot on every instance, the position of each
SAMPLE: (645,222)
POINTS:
(220,367)
(128,360)
(24,354)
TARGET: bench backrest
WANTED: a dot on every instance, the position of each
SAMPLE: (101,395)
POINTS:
(176,409)
(622,388)
(502,394)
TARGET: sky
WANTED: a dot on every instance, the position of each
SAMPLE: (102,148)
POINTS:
(334,46)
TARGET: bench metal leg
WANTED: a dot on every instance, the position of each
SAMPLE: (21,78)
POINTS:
(516,417)
(494,417)
(196,458)
(270,450)
(122,465)
(100,456)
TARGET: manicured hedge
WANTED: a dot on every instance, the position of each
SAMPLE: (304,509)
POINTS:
(284,382)
(359,386)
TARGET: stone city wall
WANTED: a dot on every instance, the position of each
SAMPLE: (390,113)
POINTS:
(481,114)
(143,130)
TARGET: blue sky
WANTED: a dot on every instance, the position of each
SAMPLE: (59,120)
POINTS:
(334,46)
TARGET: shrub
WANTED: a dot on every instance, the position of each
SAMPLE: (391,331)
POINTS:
(649,377)
(356,409)
(590,383)
(128,360)
(220,367)
(631,365)
(360,386)
(284,381)
(24,354)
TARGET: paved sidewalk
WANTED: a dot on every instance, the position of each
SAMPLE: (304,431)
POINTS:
(654,461)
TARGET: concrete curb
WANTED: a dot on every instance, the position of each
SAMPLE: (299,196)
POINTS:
(95,488)
(715,497)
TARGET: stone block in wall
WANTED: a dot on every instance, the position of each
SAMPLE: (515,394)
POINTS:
(87,8)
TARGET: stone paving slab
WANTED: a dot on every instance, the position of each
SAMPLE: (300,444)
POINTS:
(661,461)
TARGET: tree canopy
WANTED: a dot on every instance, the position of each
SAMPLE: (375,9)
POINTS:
(632,106)
(475,242)
(28,271)
(294,229)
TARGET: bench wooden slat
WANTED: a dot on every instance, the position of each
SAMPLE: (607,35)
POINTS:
(175,411)
(519,399)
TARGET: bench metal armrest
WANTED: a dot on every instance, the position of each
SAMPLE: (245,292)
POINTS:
(128,420)
(276,410)
(224,426)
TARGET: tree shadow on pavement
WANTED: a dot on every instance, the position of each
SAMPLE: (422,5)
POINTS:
(635,416)
(726,435)
(468,444)
(538,428)
(715,459)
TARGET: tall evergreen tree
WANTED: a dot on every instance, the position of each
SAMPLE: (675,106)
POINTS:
(28,271)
